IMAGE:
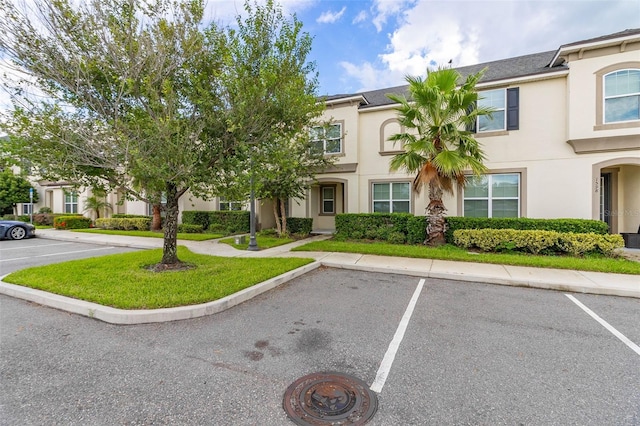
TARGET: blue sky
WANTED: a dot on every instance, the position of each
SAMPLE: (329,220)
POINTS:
(372,44)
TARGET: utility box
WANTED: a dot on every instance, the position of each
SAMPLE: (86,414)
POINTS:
(240,239)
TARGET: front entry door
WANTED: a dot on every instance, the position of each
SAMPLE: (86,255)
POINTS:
(605,199)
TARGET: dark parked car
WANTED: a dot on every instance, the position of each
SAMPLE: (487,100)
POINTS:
(16,230)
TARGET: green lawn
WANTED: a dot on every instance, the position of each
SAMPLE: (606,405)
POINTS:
(153,234)
(121,280)
(450,252)
(264,242)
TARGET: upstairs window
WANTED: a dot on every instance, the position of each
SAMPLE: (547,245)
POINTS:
(505,103)
(622,96)
(327,139)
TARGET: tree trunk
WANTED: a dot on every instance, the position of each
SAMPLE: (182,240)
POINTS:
(283,215)
(275,215)
(436,225)
(156,222)
(170,247)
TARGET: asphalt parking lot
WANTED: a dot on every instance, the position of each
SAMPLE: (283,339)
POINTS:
(21,254)
(471,354)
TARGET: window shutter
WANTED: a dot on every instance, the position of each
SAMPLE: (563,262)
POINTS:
(513,112)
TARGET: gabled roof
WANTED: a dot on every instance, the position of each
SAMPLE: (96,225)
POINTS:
(504,69)
(597,42)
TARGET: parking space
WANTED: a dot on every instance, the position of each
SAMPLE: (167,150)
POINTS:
(21,254)
(471,354)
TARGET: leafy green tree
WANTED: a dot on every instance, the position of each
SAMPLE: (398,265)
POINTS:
(437,145)
(273,99)
(119,90)
(14,189)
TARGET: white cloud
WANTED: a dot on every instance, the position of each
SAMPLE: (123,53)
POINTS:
(430,33)
(360,17)
(383,9)
(331,17)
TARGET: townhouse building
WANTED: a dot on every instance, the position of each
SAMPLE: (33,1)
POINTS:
(564,143)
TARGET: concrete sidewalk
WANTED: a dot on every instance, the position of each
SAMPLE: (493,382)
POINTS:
(552,279)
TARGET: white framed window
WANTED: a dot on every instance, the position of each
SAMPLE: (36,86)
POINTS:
(391,197)
(26,208)
(327,139)
(494,195)
(226,205)
(622,96)
(71,202)
(496,99)
(328,195)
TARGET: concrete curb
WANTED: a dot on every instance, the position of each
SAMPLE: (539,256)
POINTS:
(130,317)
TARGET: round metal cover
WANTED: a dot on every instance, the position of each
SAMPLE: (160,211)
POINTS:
(329,398)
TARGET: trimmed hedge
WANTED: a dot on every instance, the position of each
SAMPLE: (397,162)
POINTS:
(236,221)
(129,216)
(126,224)
(533,241)
(300,225)
(372,226)
(71,222)
(580,226)
(190,229)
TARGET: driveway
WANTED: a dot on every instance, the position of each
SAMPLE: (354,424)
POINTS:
(471,354)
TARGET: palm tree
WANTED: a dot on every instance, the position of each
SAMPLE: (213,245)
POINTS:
(96,203)
(437,142)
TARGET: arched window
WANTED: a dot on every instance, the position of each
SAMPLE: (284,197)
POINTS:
(622,96)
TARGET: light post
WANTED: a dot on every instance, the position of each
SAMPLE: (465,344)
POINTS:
(253,244)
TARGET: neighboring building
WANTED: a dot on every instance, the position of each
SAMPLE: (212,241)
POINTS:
(565,143)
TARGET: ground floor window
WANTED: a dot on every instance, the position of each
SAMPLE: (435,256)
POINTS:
(26,208)
(391,197)
(496,195)
(328,199)
(71,202)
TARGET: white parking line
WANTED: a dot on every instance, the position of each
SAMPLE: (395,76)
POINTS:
(14,248)
(387,361)
(606,325)
(55,254)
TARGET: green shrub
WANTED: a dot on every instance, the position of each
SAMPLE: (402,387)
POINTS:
(416,230)
(190,229)
(24,218)
(396,238)
(581,226)
(232,221)
(140,223)
(44,210)
(71,222)
(576,244)
(43,219)
(217,228)
(129,216)
(270,232)
(300,225)
(371,225)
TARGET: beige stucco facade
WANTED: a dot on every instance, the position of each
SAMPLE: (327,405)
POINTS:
(569,162)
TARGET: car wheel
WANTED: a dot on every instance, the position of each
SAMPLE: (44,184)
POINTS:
(17,233)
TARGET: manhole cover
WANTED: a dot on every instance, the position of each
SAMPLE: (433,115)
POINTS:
(329,399)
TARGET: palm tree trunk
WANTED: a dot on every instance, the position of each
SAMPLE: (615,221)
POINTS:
(275,215)
(436,224)
(156,221)
(283,215)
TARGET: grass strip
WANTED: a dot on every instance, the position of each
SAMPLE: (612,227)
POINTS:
(121,280)
(153,234)
(263,242)
(450,252)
